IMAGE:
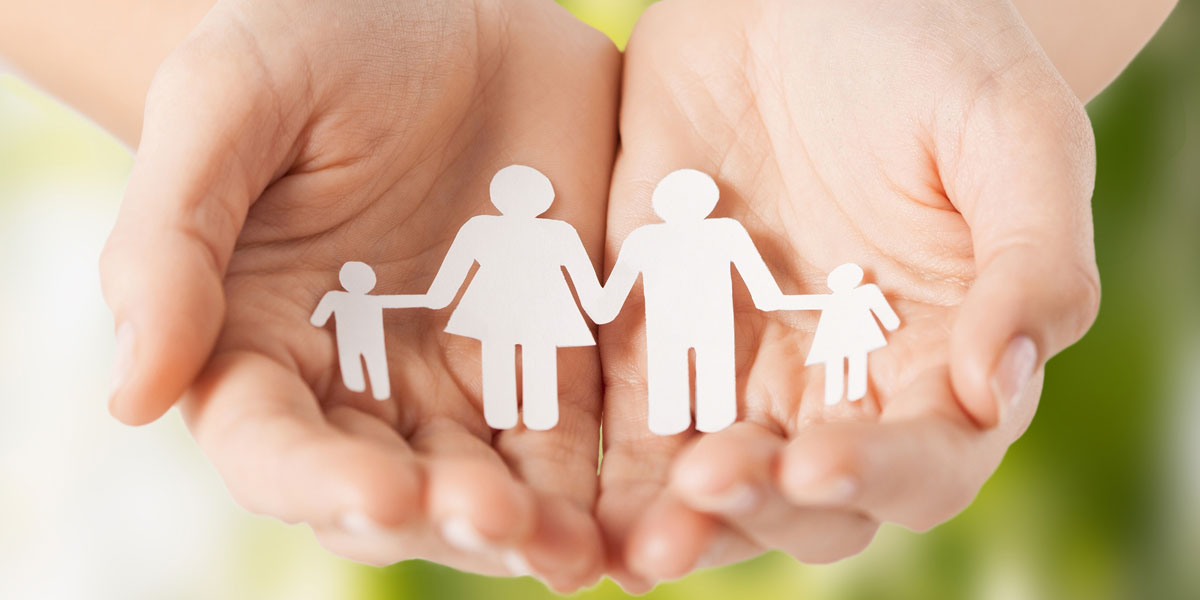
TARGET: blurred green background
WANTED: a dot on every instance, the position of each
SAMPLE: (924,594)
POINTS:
(1100,499)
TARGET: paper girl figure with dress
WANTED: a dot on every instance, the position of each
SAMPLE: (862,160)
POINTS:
(519,297)
(846,331)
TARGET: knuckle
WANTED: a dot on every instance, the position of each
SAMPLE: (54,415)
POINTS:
(953,502)
(112,266)
(1086,298)
(928,519)
(858,539)
(181,67)
(925,522)
(922,524)
(1066,120)
(337,542)
(109,259)
(249,500)
(849,542)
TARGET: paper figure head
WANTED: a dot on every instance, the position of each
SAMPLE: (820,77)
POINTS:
(357,277)
(521,191)
(685,195)
(845,277)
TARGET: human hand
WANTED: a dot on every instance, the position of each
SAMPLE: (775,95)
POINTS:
(280,141)
(933,144)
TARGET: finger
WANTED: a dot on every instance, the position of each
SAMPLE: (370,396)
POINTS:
(566,548)
(479,520)
(562,461)
(636,462)
(357,423)
(731,474)
(211,142)
(651,536)
(478,504)
(633,475)
(1021,170)
(369,543)
(477,514)
(262,429)
(473,498)
(668,540)
(921,465)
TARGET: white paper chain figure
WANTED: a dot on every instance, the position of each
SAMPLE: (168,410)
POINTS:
(359,320)
(846,331)
(685,268)
(518,296)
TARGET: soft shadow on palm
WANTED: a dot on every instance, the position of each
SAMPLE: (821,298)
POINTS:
(383,135)
(834,134)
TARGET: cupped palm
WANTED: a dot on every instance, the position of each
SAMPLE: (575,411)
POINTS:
(879,134)
(281,142)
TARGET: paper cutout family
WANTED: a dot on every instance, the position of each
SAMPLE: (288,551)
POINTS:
(519,297)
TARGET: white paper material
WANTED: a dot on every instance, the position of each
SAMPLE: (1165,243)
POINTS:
(846,331)
(685,263)
(520,298)
(359,319)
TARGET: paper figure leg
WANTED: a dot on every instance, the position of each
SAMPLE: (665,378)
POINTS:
(716,387)
(377,372)
(669,389)
(856,377)
(835,375)
(350,364)
(500,385)
(539,374)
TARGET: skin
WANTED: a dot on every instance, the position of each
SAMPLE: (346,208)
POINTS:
(99,57)
(1092,41)
(248,195)
(932,143)
(267,160)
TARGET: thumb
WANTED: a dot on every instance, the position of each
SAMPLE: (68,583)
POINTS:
(207,151)
(1022,178)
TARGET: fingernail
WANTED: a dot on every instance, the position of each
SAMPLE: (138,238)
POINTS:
(808,485)
(516,564)
(737,500)
(1014,370)
(122,358)
(653,552)
(358,523)
(460,533)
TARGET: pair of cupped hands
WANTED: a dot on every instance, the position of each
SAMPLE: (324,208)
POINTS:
(931,142)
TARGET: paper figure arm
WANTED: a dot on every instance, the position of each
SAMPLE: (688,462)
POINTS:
(403,300)
(620,282)
(804,302)
(749,263)
(454,269)
(324,310)
(583,274)
(879,305)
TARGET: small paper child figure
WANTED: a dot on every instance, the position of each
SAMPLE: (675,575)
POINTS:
(846,330)
(359,321)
